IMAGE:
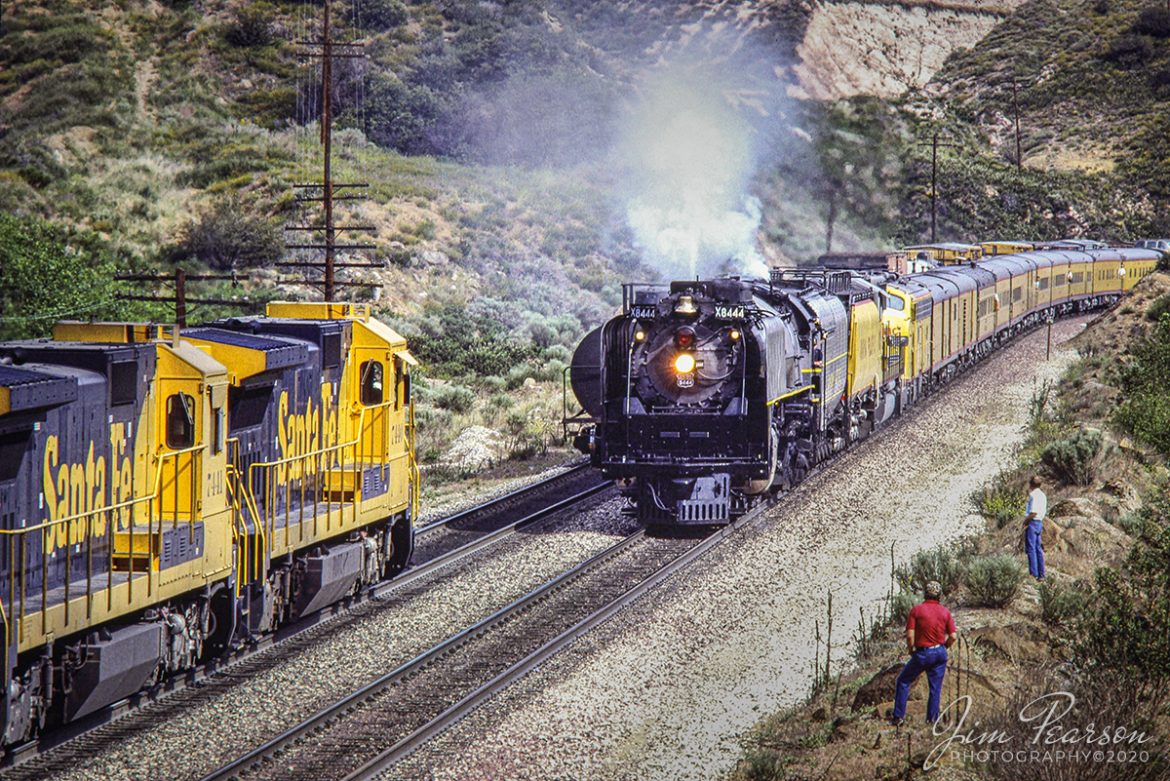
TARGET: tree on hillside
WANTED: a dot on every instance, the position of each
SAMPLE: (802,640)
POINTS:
(226,236)
(49,274)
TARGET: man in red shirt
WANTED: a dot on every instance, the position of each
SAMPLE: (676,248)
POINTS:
(930,631)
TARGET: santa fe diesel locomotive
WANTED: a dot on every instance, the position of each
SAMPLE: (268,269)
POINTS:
(700,397)
(165,496)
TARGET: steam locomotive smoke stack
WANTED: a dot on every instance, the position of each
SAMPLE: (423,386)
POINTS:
(690,158)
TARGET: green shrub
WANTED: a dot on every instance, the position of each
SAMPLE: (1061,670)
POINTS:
(1160,305)
(994,581)
(1129,51)
(47,274)
(252,26)
(938,564)
(1059,604)
(1131,523)
(227,236)
(500,402)
(1000,502)
(455,398)
(1154,22)
(1144,380)
(458,342)
(1074,459)
(900,606)
(382,15)
(1124,626)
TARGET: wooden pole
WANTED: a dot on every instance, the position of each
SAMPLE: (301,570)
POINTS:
(1016,111)
(181,297)
(934,188)
(327,142)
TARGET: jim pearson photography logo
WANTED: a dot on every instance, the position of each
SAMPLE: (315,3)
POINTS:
(1044,734)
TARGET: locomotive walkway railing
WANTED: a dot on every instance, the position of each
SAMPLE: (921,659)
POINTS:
(293,488)
(165,497)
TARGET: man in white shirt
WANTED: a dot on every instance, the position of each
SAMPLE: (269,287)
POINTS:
(1036,509)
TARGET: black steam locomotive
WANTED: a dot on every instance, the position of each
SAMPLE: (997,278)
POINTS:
(708,394)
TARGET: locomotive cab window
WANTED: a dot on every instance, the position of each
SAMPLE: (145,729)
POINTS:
(180,421)
(371,383)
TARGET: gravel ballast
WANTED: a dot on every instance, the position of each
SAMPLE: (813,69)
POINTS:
(667,689)
(350,652)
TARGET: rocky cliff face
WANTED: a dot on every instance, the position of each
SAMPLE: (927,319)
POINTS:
(885,49)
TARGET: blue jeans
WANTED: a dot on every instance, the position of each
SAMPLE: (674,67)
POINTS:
(932,661)
(1034,544)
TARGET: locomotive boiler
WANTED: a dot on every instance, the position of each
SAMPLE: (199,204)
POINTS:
(707,394)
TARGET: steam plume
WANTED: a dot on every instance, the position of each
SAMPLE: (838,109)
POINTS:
(690,156)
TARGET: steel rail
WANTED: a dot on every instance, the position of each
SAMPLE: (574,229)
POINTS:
(260,755)
(276,745)
(43,745)
(496,503)
(474,699)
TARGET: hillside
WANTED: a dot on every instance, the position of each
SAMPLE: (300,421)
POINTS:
(488,132)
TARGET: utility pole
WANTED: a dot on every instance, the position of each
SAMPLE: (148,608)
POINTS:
(180,299)
(935,143)
(328,50)
(1016,111)
(327,145)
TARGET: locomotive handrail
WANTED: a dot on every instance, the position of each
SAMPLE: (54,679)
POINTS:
(109,508)
(340,447)
(90,516)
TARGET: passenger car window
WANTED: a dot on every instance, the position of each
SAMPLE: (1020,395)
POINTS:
(180,421)
(371,393)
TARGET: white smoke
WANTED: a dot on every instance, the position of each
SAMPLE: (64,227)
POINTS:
(689,159)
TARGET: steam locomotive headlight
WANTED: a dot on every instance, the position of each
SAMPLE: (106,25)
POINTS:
(734,335)
(684,363)
(639,335)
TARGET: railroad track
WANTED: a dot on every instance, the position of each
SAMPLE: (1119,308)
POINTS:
(426,695)
(444,542)
(436,539)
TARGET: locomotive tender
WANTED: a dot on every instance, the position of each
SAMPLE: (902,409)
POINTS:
(701,397)
(165,496)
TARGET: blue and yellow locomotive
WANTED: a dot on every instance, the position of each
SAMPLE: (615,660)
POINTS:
(166,495)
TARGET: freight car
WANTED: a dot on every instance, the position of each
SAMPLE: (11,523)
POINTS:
(165,496)
(703,396)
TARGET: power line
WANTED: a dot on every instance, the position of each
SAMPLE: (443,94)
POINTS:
(934,147)
(327,50)
(180,299)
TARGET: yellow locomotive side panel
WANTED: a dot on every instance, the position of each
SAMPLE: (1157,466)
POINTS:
(1079,273)
(371,435)
(1135,271)
(1059,274)
(1005,247)
(158,491)
(922,342)
(897,322)
(865,348)
(1003,302)
(1107,278)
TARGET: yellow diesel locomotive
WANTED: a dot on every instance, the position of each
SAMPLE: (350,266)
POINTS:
(166,495)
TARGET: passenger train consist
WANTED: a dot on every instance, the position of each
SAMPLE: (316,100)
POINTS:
(165,495)
(703,396)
